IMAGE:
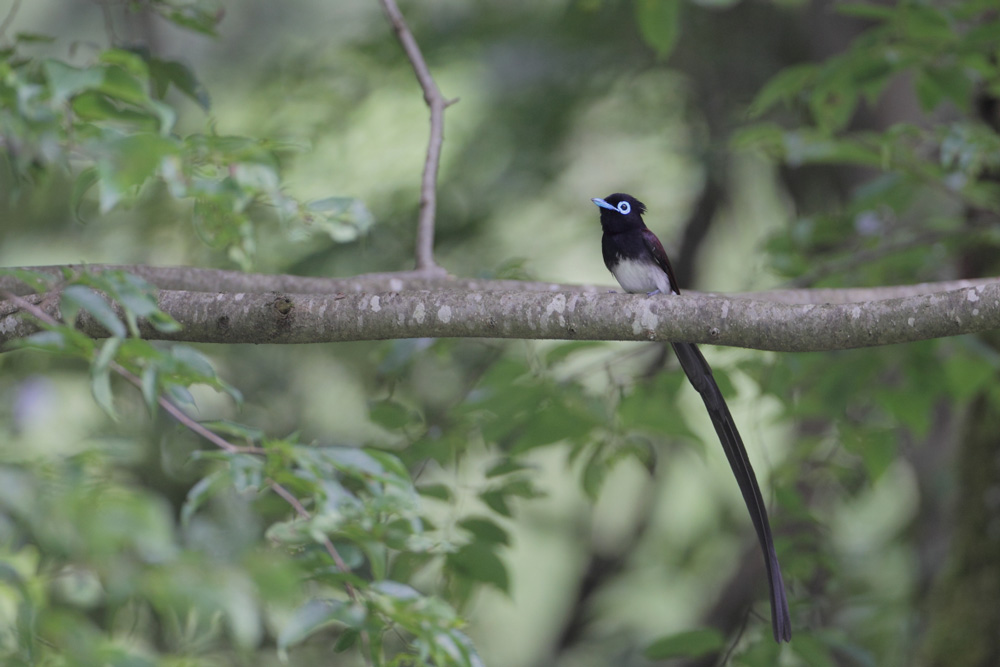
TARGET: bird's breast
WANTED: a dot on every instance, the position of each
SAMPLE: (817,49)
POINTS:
(638,276)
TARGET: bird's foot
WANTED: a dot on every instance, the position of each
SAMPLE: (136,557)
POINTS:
(653,293)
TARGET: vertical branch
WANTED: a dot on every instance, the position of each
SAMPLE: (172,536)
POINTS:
(437,103)
(7,20)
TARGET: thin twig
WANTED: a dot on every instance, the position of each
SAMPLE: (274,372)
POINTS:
(204,432)
(304,513)
(736,639)
(437,103)
(7,20)
(109,22)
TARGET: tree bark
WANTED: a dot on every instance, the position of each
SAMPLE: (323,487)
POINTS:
(739,322)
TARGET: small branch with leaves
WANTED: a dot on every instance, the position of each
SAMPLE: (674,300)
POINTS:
(199,429)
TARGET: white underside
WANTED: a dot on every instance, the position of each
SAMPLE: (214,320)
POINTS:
(637,277)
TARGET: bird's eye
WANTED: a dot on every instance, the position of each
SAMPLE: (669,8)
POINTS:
(624,208)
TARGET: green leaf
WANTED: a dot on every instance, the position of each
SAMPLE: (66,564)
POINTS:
(77,297)
(314,616)
(343,219)
(129,162)
(436,491)
(150,386)
(378,558)
(166,115)
(652,408)
(833,103)
(107,353)
(95,107)
(129,61)
(556,420)
(595,471)
(33,38)
(66,81)
(783,87)
(164,73)
(201,492)
(479,562)
(179,394)
(194,360)
(936,85)
(391,414)
(122,85)
(505,467)
(485,530)
(496,500)
(100,376)
(691,644)
(85,180)
(391,465)
(659,24)
(201,16)
(346,641)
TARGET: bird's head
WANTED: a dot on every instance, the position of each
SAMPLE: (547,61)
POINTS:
(620,212)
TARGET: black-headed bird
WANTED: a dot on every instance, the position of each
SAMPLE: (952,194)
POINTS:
(638,262)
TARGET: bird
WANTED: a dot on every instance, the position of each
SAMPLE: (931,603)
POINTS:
(637,260)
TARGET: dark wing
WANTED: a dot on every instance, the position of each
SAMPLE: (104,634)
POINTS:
(660,255)
(700,375)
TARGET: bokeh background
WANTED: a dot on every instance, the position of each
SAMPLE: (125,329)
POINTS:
(859,453)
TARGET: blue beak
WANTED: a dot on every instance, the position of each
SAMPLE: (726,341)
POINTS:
(603,204)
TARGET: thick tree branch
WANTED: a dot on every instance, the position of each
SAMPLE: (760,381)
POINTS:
(740,322)
(219,280)
(437,104)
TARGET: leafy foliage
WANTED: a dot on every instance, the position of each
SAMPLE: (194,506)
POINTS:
(266,538)
(110,122)
(947,49)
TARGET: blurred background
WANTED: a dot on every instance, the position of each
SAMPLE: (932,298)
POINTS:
(625,526)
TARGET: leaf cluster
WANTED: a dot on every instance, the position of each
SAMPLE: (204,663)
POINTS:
(111,124)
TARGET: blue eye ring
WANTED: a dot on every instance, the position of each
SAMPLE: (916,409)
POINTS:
(624,208)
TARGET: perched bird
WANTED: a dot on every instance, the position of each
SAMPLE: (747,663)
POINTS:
(638,262)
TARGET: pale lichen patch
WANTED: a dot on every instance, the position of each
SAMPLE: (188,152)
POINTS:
(375,304)
(418,313)
(556,306)
(645,320)
(444,314)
